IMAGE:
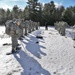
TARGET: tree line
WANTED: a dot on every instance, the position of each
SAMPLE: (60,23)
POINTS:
(36,11)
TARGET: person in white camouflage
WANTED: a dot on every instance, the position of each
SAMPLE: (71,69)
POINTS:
(60,26)
(46,26)
(32,25)
(74,35)
(12,29)
(38,26)
(26,27)
(20,25)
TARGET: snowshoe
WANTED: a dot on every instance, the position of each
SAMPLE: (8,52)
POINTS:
(20,38)
(18,48)
(7,44)
(11,52)
(18,44)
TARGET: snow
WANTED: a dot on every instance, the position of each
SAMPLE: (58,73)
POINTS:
(52,55)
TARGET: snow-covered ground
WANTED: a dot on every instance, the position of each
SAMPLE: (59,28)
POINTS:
(52,55)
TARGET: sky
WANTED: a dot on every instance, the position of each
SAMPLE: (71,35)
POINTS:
(22,3)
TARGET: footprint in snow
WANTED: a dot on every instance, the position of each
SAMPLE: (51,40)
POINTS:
(60,71)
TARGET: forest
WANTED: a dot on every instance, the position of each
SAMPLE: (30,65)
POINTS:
(39,12)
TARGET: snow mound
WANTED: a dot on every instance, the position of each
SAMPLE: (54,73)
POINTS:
(52,55)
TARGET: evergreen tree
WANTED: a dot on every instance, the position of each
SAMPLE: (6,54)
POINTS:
(49,12)
(15,11)
(8,14)
(26,13)
(67,16)
(33,6)
(2,15)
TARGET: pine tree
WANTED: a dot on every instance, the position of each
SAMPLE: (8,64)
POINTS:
(33,6)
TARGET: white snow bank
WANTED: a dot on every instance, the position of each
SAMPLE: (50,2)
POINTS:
(52,55)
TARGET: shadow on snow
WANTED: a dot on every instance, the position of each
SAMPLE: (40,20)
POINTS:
(30,65)
(34,47)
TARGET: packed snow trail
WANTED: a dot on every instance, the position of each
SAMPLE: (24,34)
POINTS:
(52,55)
